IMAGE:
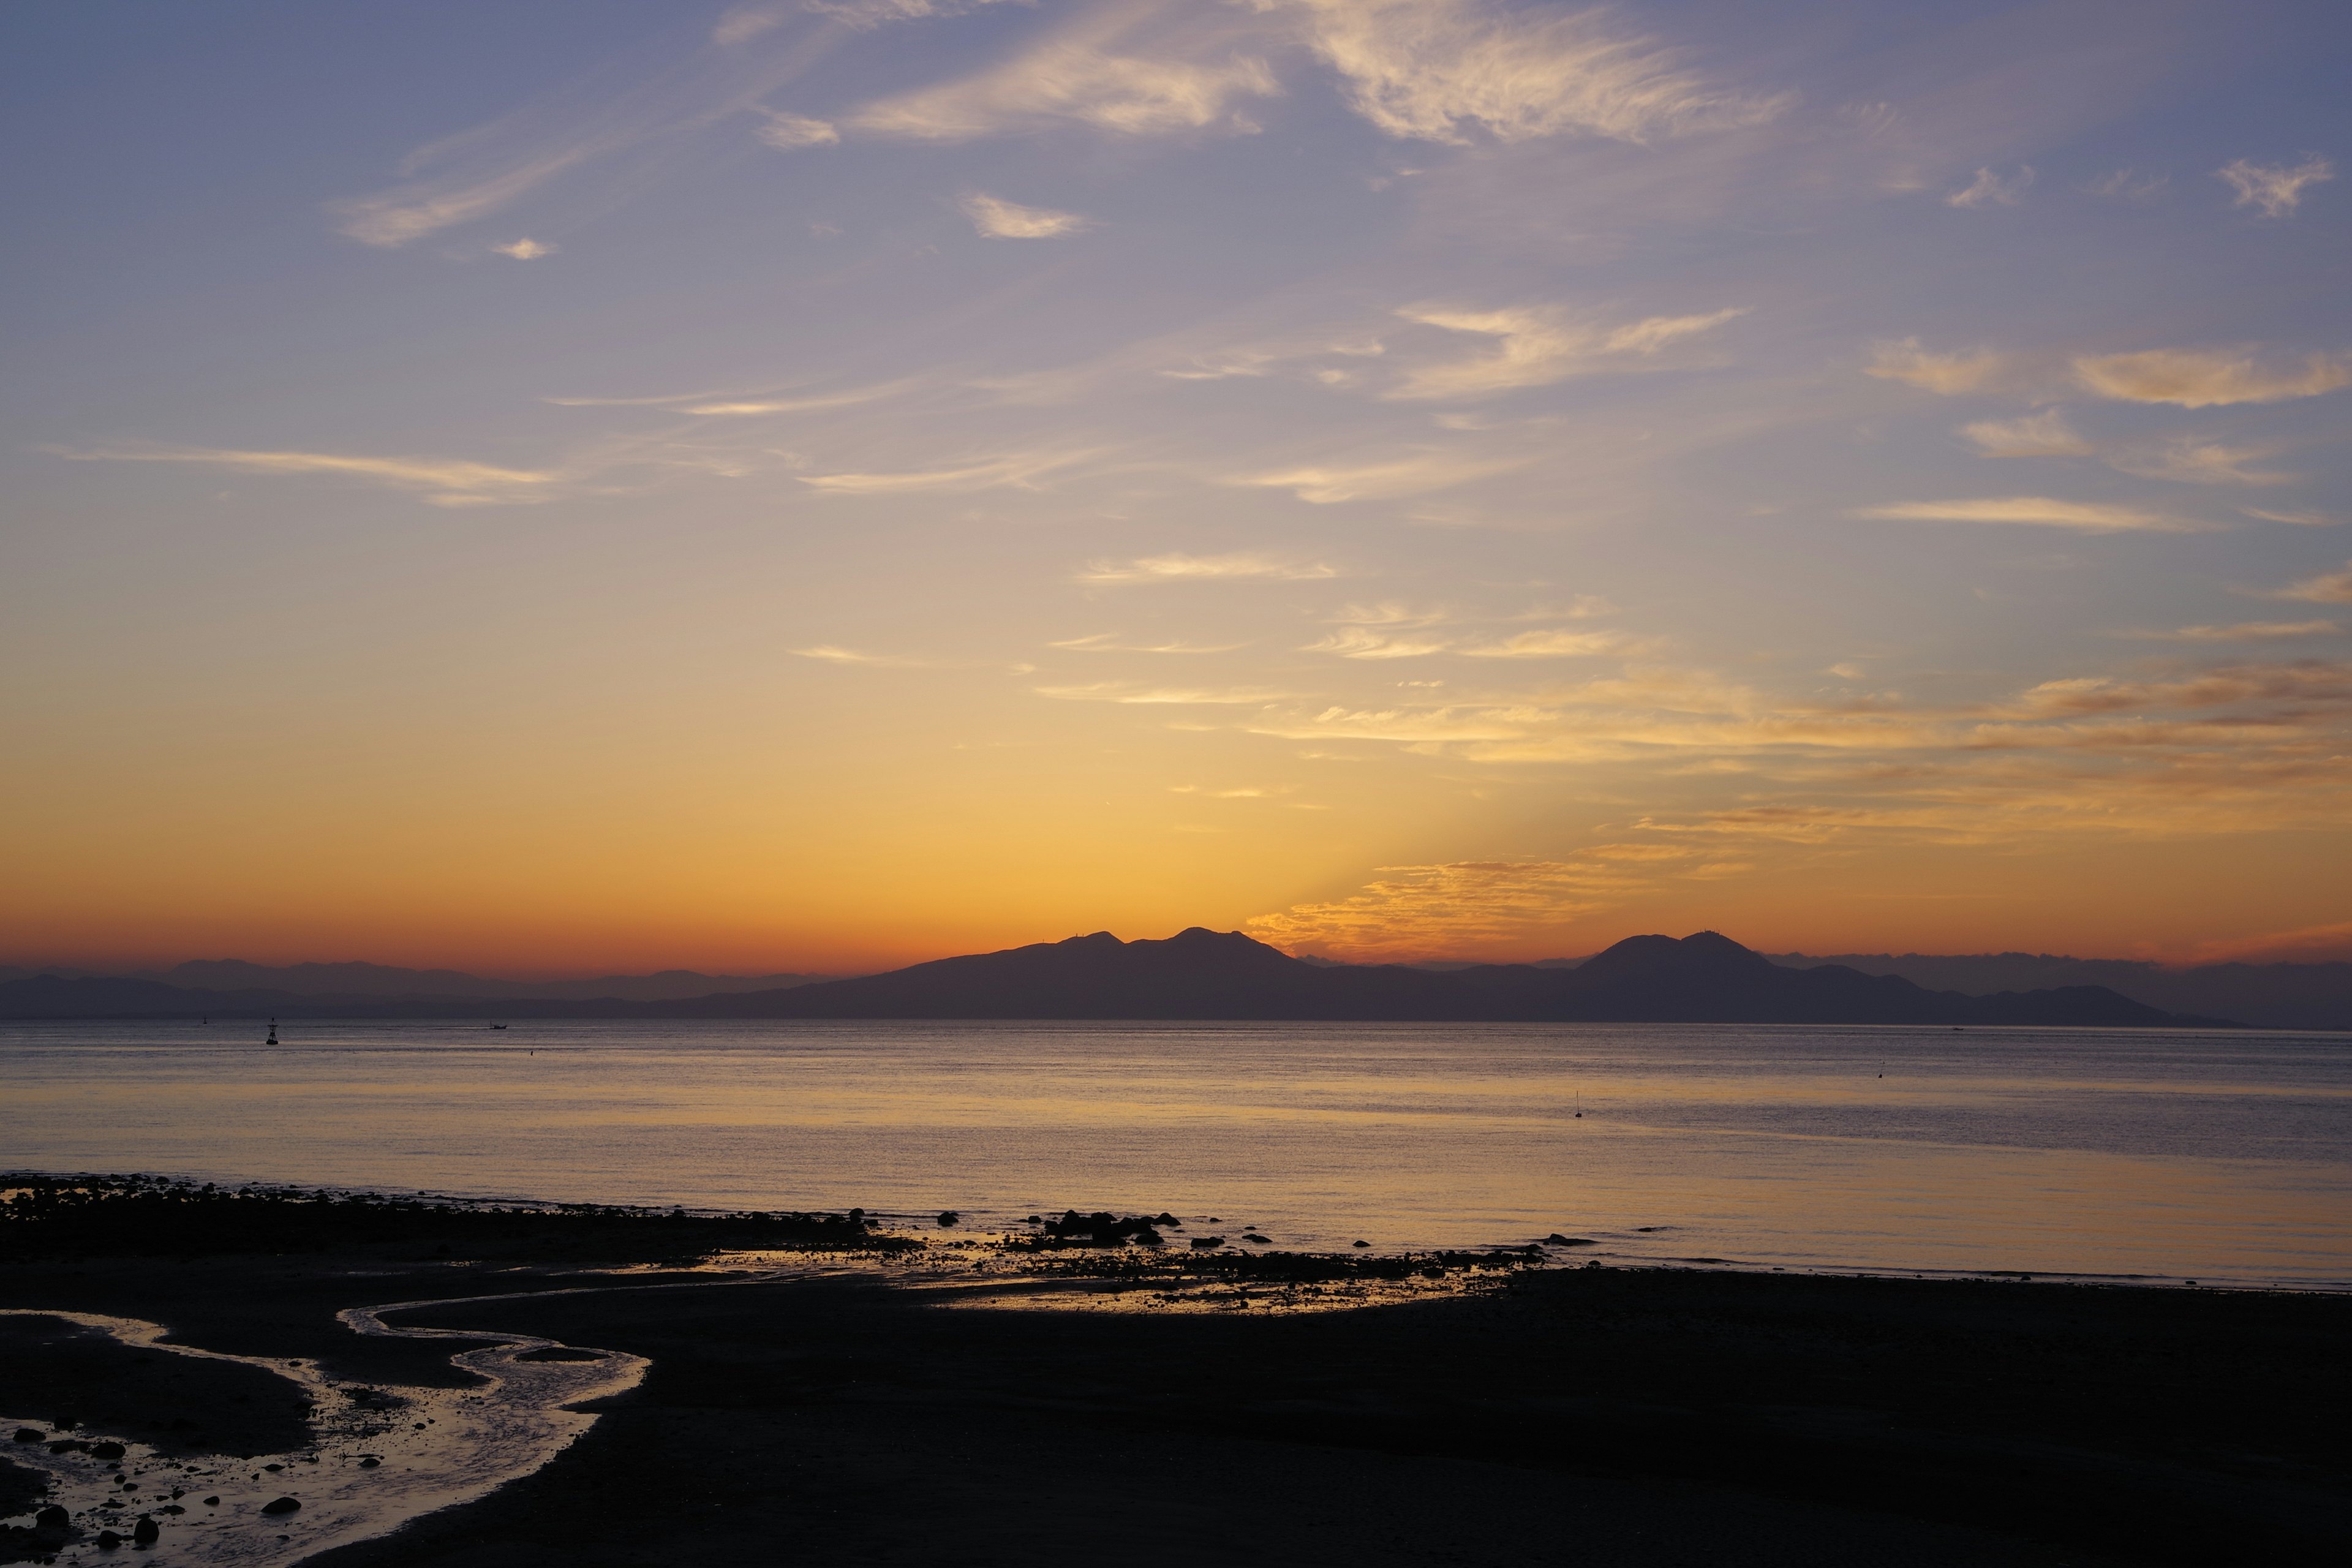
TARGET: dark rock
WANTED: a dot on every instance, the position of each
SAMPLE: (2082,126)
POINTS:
(280,1505)
(52,1517)
(950,1219)
(370,1463)
(1555,1240)
(66,1446)
(1253,1236)
(170,1508)
(146,1533)
(31,1435)
(1359,1244)
(211,1502)
(107,1450)
(108,1540)
(1204,1243)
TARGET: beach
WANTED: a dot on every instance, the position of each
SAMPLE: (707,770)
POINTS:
(968,1401)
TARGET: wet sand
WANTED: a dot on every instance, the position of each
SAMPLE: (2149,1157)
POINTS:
(861,1410)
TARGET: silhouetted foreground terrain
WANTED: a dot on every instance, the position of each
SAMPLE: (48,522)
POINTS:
(1198,974)
(1577,1416)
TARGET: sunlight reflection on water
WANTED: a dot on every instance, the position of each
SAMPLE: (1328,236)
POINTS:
(2166,1155)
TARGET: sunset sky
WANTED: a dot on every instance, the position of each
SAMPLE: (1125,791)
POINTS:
(555,487)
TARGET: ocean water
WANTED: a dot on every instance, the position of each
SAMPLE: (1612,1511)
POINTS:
(2222,1157)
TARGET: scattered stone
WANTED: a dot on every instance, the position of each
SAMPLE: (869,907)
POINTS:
(146,1533)
(170,1508)
(1555,1240)
(1359,1244)
(52,1517)
(280,1505)
(31,1435)
(370,1463)
(108,1540)
(66,1446)
(950,1219)
(107,1450)
(273,1466)
(1253,1236)
(1207,1243)
(211,1502)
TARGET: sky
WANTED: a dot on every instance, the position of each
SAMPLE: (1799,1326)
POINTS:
(557,487)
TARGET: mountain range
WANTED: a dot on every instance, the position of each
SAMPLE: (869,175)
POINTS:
(1204,974)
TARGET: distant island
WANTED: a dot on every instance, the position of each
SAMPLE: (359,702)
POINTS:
(1204,974)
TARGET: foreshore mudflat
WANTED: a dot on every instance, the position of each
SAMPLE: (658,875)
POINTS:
(839,1402)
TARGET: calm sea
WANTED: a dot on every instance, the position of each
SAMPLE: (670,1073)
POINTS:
(2219,1157)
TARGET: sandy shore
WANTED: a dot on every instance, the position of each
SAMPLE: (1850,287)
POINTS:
(858,1409)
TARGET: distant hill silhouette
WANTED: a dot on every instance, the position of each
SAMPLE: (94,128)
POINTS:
(2273,996)
(1198,974)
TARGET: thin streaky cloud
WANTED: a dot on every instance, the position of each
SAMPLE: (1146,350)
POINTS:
(1154,696)
(2045,435)
(1108,642)
(1988,189)
(454,482)
(1175,568)
(1438,70)
(2041,511)
(1359,642)
(2245,631)
(2276,189)
(1536,346)
(1075,76)
(1023,472)
(526,249)
(2299,519)
(1951,374)
(2131,185)
(995,218)
(2207,378)
(1325,485)
(2328,588)
(828,653)
(1549,644)
(792,132)
(2185,459)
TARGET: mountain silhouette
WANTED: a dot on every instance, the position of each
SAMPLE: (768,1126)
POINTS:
(1205,974)
(1198,974)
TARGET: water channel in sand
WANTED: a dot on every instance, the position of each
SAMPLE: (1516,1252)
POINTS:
(431,1448)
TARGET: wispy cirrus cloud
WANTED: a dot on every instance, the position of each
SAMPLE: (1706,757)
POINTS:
(450,482)
(2276,189)
(2185,459)
(2245,631)
(1417,474)
(2207,378)
(2041,511)
(1364,643)
(792,132)
(1952,375)
(1163,696)
(1992,190)
(829,653)
(1241,566)
(2044,435)
(1168,84)
(1439,71)
(994,218)
(526,249)
(1536,346)
(2326,588)
(2298,519)
(1110,642)
(1017,471)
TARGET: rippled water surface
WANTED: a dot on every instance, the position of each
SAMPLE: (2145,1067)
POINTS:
(2222,1156)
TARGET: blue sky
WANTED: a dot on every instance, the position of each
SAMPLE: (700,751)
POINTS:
(856,480)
